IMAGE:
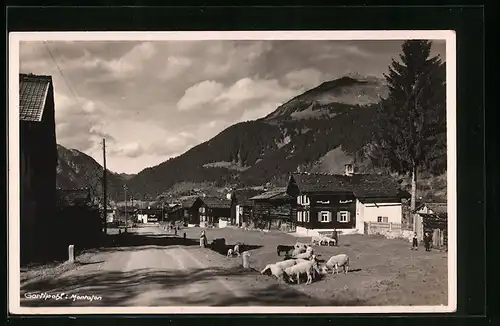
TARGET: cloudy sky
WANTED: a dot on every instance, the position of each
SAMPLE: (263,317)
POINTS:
(155,100)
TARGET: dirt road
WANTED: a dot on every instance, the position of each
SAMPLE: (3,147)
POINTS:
(156,269)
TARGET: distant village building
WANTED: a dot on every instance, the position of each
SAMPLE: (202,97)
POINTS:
(272,208)
(38,160)
(433,218)
(328,202)
(184,212)
(213,210)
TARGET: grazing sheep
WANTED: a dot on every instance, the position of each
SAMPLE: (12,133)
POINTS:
(284,248)
(236,250)
(275,270)
(230,252)
(305,255)
(300,245)
(308,268)
(297,251)
(337,261)
(310,249)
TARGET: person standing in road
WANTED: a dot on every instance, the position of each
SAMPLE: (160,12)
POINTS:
(415,242)
(427,241)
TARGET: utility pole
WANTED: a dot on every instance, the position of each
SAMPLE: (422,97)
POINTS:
(126,218)
(104,187)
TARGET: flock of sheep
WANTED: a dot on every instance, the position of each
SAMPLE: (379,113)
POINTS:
(303,261)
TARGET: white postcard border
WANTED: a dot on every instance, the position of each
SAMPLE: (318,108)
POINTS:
(14,167)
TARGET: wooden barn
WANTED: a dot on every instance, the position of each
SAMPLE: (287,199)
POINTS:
(38,162)
(344,202)
(184,211)
(213,210)
(433,218)
(244,205)
(271,208)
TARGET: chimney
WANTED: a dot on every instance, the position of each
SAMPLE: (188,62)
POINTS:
(349,169)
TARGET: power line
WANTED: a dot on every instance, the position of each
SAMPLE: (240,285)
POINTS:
(63,77)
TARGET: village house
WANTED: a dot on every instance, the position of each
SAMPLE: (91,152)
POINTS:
(272,207)
(328,202)
(151,215)
(184,212)
(433,218)
(243,205)
(38,160)
(213,210)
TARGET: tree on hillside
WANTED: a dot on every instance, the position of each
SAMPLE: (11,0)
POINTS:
(410,133)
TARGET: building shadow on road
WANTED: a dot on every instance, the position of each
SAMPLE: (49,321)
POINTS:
(122,288)
(132,241)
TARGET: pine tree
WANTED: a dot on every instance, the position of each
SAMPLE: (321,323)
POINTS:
(410,131)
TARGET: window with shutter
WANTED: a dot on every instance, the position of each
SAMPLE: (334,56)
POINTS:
(298,200)
(299,216)
(343,216)
(306,217)
(324,216)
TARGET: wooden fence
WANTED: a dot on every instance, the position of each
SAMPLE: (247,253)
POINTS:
(386,228)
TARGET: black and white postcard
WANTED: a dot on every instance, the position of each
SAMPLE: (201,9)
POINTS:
(232,172)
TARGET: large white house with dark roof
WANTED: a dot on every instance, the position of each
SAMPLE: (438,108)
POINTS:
(327,202)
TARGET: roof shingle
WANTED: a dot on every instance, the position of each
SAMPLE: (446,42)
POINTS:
(277,193)
(214,202)
(33,92)
(361,185)
(437,208)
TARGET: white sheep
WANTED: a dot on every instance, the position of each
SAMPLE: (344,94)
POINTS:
(297,251)
(308,268)
(275,270)
(286,263)
(337,261)
(230,252)
(236,250)
(305,255)
(300,245)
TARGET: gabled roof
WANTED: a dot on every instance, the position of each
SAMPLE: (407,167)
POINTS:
(188,203)
(437,208)
(361,185)
(214,202)
(277,193)
(73,197)
(243,196)
(33,91)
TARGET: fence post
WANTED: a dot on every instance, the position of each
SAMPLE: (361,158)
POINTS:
(246,259)
(71,253)
(390,226)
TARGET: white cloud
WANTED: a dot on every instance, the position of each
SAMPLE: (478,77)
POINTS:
(198,95)
(174,67)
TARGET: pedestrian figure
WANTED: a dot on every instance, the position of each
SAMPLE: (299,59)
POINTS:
(204,238)
(415,242)
(427,241)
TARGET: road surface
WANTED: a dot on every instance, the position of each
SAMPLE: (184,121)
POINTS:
(158,270)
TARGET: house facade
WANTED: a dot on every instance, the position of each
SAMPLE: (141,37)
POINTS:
(327,202)
(38,159)
(243,205)
(432,218)
(272,208)
(213,210)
